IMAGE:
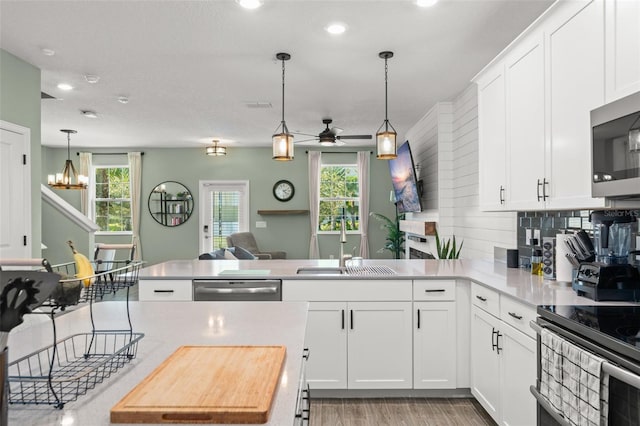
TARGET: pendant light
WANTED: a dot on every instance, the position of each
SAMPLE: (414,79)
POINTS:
(282,139)
(69,178)
(216,150)
(386,134)
(634,136)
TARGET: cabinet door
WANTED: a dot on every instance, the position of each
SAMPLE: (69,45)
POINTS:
(524,68)
(485,362)
(326,339)
(380,341)
(622,48)
(575,53)
(518,362)
(434,345)
(491,149)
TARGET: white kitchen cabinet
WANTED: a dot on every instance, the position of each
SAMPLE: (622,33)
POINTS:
(165,290)
(622,38)
(434,345)
(524,70)
(485,363)
(492,139)
(379,345)
(326,339)
(518,372)
(574,37)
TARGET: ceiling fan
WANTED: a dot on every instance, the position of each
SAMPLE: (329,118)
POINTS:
(331,136)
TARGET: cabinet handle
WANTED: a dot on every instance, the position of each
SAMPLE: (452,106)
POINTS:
(494,340)
(163,291)
(418,318)
(435,290)
(538,190)
(544,189)
(343,319)
(516,316)
(483,299)
(498,336)
(351,317)
(501,194)
(305,353)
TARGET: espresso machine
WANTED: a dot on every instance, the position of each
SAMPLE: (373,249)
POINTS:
(613,275)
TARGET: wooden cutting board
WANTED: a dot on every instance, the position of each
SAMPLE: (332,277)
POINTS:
(206,384)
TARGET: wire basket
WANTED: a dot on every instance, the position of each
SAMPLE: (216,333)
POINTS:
(80,362)
(109,277)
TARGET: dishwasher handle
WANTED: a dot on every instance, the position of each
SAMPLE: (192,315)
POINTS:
(237,290)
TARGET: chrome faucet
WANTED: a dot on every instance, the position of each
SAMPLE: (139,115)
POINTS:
(343,241)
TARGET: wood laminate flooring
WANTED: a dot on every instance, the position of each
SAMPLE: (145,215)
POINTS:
(398,412)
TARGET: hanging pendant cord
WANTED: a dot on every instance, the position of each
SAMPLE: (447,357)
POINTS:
(386,108)
(283,91)
(68,146)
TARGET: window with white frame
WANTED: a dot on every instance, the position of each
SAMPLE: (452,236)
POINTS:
(339,195)
(112,198)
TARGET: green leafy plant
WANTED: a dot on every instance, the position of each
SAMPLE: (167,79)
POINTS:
(447,249)
(395,237)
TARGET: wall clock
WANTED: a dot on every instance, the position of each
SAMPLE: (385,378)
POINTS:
(283,190)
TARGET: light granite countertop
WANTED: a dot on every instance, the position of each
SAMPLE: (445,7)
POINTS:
(514,282)
(166,326)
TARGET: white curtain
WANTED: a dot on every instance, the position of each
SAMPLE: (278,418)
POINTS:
(314,200)
(86,196)
(363,179)
(135,182)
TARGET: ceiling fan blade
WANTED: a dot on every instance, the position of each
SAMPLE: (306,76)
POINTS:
(306,140)
(354,137)
(304,134)
(336,130)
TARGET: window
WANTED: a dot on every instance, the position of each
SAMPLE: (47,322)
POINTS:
(339,191)
(112,199)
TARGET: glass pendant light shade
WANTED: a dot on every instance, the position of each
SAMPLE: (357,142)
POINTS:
(69,178)
(386,134)
(282,146)
(282,140)
(216,150)
(634,140)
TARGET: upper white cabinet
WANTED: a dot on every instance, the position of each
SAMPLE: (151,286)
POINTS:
(575,85)
(575,58)
(622,46)
(492,148)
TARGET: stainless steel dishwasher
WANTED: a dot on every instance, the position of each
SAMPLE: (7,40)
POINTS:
(237,290)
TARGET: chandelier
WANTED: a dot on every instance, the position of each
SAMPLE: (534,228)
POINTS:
(69,178)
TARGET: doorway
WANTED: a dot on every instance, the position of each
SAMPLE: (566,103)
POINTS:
(224,209)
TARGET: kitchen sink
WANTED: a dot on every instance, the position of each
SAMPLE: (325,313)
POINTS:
(321,270)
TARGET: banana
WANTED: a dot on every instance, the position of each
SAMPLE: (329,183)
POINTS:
(84,268)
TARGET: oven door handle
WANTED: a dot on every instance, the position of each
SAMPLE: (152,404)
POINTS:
(547,407)
(237,290)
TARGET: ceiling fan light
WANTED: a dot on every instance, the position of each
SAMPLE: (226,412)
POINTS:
(282,146)
(386,145)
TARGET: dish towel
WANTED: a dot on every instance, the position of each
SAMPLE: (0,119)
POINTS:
(573,382)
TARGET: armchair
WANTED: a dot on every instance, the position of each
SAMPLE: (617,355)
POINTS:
(247,241)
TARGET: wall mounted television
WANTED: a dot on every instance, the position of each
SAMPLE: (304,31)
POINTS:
(403,178)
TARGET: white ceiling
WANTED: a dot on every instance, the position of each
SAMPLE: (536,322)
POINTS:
(189,68)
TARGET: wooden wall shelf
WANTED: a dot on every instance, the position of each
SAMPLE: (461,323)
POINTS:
(281,212)
(418,227)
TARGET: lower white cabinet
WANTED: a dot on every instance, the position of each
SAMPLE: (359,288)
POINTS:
(434,345)
(503,366)
(359,345)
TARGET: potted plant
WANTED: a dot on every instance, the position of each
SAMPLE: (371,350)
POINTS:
(395,237)
(447,249)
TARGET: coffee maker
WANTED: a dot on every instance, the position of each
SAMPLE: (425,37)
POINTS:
(611,276)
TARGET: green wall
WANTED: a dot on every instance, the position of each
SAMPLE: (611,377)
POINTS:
(188,166)
(20,104)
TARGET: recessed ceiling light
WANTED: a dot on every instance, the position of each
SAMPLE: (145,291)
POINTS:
(250,4)
(65,86)
(48,52)
(123,99)
(336,28)
(92,79)
(90,114)
(426,3)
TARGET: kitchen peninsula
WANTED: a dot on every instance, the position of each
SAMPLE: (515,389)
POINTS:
(166,327)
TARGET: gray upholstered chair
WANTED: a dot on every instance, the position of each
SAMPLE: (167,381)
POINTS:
(247,241)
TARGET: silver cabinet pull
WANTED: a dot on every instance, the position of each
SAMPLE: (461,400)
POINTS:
(516,316)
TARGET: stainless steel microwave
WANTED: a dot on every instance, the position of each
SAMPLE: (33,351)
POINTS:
(615,149)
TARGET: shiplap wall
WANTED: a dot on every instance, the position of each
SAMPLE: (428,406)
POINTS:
(445,145)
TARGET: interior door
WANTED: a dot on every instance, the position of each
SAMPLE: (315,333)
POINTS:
(224,209)
(15,192)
